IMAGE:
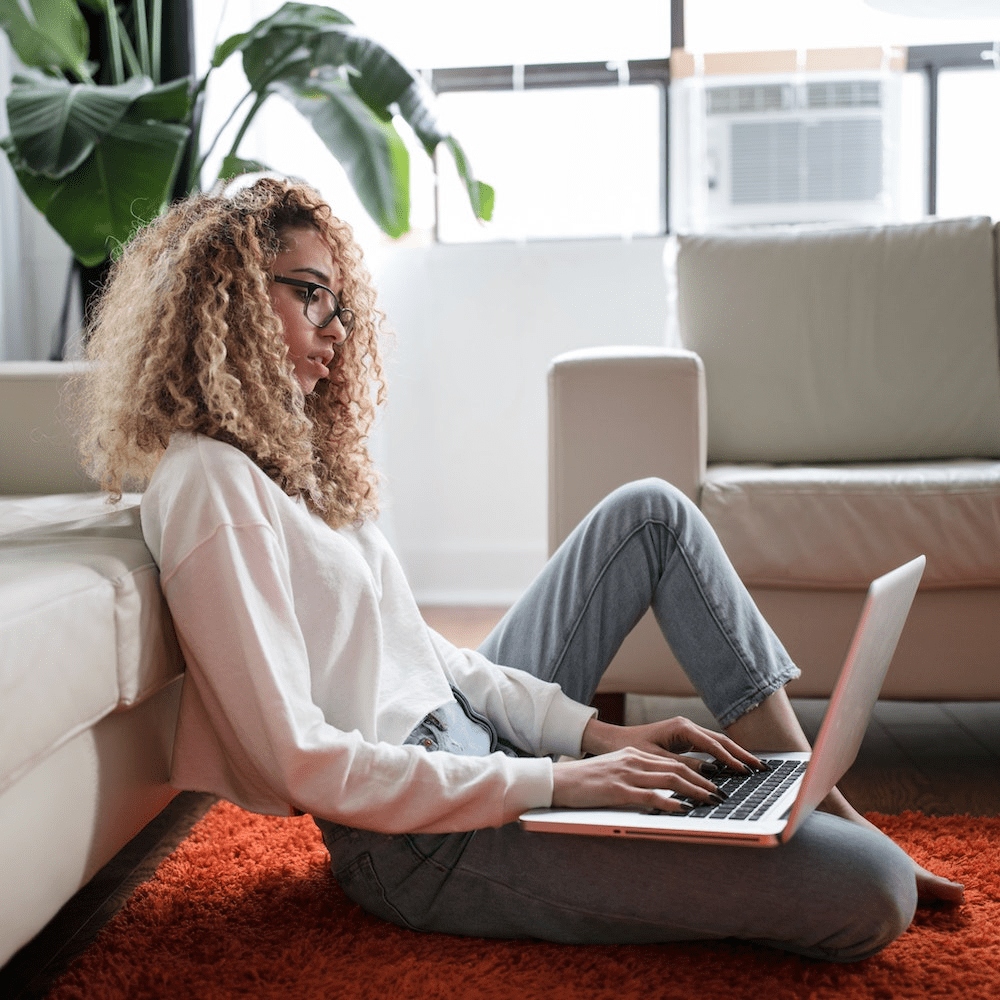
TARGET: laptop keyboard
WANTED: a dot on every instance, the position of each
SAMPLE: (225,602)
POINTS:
(750,795)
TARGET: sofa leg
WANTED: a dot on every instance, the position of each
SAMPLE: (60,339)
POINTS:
(610,708)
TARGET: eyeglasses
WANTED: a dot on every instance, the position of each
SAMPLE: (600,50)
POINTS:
(321,306)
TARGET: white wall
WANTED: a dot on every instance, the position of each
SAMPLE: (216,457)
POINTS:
(463,441)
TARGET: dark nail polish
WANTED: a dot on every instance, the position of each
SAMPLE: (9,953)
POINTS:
(708,767)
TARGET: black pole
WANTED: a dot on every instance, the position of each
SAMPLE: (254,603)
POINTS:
(932,138)
(677,24)
(676,42)
(177,60)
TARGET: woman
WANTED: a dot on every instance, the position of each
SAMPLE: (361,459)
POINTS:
(237,377)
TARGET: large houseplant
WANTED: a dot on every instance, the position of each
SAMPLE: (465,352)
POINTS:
(98,158)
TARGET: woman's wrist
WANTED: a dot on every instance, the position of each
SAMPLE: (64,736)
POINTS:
(598,737)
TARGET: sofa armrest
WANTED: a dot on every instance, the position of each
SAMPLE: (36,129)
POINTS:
(37,450)
(617,414)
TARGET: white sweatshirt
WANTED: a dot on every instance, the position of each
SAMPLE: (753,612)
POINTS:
(308,664)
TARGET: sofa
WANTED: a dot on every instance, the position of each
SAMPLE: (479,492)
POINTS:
(830,398)
(90,670)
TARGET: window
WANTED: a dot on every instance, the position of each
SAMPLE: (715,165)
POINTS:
(572,150)
(825,110)
(563,109)
(961,88)
(574,144)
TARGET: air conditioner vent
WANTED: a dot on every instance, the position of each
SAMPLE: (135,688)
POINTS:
(794,161)
(844,94)
(765,162)
(844,160)
(754,99)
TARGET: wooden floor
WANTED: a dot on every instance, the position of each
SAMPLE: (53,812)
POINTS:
(939,758)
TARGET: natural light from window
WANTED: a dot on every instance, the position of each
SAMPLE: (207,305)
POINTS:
(589,162)
(740,26)
(968,100)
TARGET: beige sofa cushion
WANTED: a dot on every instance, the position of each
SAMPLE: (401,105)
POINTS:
(83,625)
(57,655)
(37,450)
(841,526)
(845,344)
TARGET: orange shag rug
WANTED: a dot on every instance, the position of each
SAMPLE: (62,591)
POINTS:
(246,907)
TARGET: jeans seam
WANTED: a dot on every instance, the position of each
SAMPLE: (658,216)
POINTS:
(564,648)
(761,690)
(763,687)
(426,859)
(363,868)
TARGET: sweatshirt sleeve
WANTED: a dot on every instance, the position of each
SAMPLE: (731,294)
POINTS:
(533,714)
(250,730)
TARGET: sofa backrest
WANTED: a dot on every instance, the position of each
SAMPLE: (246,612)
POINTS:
(839,344)
(37,451)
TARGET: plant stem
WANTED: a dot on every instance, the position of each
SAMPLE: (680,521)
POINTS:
(199,165)
(117,66)
(261,98)
(142,34)
(157,42)
(134,66)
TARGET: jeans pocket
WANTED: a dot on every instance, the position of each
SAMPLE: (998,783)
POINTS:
(361,885)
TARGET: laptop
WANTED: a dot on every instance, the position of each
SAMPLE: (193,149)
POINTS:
(756,814)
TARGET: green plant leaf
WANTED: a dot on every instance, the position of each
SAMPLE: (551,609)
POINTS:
(233,166)
(168,102)
(39,189)
(371,152)
(481,195)
(303,50)
(47,33)
(418,108)
(299,19)
(124,183)
(55,125)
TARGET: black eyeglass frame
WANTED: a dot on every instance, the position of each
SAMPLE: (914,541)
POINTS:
(345,315)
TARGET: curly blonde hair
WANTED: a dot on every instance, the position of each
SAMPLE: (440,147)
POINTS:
(184,338)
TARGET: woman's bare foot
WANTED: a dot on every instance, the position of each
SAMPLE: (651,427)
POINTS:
(931,888)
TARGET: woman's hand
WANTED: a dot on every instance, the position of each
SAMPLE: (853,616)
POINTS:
(636,766)
(668,739)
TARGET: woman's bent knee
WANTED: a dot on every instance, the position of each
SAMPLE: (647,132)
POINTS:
(885,898)
(890,903)
(650,499)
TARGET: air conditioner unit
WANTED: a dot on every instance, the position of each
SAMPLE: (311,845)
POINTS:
(801,148)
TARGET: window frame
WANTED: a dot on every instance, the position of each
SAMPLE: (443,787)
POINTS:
(930,60)
(535,76)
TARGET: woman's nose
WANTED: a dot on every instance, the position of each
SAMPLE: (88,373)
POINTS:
(335,331)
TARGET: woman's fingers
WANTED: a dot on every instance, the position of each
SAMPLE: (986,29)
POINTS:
(684,735)
(630,778)
(642,781)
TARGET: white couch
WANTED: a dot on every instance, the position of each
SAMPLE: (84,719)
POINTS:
(834,408)
(89,665)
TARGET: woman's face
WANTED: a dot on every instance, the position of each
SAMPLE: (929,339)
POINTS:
(306,258)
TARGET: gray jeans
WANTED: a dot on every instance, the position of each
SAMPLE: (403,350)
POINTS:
(835,891)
